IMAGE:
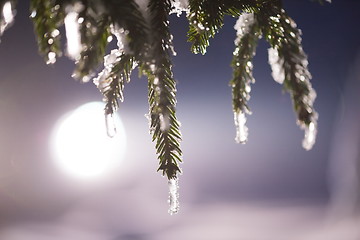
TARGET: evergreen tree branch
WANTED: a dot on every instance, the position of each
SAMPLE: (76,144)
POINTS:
(164,126)
(248,34)
(290,66)
(110,81)
(94,31)
(47,17)
(206,18)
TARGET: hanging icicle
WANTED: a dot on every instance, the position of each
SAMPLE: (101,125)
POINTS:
(174,196)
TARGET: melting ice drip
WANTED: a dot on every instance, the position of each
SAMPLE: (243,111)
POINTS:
(174,196)
(241,128)
(110,125)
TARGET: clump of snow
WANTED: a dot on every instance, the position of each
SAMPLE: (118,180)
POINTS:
(179,6)
(242,25)
(174,196)
(164,122)
(122,38)
(103,80)
(277,65)
(7,17)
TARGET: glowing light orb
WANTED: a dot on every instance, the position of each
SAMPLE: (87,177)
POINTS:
(81,146)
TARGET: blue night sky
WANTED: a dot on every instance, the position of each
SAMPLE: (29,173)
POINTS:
(226,189)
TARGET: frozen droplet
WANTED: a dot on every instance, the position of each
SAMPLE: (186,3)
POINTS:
(80,20)
(33,14)
(241,128)
(50,41)
(55,33)
(51,58)
(73,35)
(310,136)
(174,196)
(110,125)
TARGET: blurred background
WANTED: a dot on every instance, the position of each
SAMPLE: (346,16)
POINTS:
(270,188)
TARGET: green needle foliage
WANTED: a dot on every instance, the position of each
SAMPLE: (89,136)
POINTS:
(141,29)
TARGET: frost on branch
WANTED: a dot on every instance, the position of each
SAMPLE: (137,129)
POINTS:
(245,45)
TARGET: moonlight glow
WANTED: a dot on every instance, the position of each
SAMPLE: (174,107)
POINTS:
(81,146)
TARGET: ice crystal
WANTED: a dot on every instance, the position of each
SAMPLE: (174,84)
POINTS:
(241,128)
(277,65)
(174,196)
(73,36)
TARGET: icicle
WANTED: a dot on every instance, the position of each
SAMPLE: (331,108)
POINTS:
(277,65)
(7,17)
(72,31)
(310,136)
(174,196)
(241,129)
(110,125)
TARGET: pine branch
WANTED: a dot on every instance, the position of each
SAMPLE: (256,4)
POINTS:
(94,31)
(162,89)
(126,16)
(117,70)
(248,34)
(206,18)
(290,66)
(47,17)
